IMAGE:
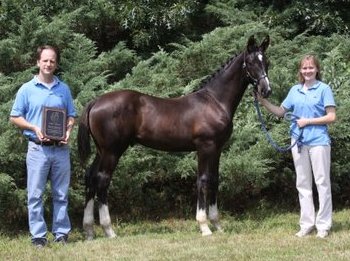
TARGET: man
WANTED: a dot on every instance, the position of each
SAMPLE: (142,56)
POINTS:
(46,159)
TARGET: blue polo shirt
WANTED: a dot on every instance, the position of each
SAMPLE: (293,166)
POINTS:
(310,103)
(33,95)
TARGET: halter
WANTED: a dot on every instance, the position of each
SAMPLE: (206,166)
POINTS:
(252,80)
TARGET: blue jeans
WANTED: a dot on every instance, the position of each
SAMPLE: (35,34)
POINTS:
(48,163)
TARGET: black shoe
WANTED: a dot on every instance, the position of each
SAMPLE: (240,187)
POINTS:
(61,239)
(39,242)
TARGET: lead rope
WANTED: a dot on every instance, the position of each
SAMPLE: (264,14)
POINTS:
(287,116)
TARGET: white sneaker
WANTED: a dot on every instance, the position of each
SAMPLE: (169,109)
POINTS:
(304,232)
(322,233)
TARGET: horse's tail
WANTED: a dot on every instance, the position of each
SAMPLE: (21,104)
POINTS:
(84,149)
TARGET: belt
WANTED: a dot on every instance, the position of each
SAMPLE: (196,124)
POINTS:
(45,143)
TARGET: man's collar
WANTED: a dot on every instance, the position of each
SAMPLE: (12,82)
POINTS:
(37,81)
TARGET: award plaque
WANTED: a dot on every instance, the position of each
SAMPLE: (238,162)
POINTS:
(54,124)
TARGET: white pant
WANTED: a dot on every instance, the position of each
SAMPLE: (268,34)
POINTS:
(313,162)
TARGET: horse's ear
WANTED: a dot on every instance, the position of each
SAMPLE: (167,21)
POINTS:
(265,43)
(251,45)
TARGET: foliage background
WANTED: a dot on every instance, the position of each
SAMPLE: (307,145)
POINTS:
(166,48)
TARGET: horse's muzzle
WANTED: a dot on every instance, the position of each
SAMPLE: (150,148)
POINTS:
(264,87)
(266,93)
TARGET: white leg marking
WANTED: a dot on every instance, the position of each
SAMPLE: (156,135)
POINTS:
(88,220)
(214,217)
(105,221)
(201,217)
(213,212)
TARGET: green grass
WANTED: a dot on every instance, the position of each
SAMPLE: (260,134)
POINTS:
(257,236)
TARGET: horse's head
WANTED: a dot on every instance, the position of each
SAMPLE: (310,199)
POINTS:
(256,66)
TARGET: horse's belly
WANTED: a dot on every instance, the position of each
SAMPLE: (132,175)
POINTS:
(168,144)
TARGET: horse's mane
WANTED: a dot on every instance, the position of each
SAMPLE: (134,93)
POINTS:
(219,71)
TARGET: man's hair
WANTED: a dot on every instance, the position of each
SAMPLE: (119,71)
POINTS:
(45,47)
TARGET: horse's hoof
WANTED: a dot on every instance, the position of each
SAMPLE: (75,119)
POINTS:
(89,238)
(89,234)
(205,229)
(206,233)
(220,230)
(111,236)
(109,233)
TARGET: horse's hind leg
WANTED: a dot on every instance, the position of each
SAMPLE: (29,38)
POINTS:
(105,220)
(90,191)
(108,163)
(88,221)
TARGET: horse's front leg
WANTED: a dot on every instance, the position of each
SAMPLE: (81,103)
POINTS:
(212,196)
(214,216)
(201,215)
(207,186)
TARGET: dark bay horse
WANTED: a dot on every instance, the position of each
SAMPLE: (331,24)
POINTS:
(200,121)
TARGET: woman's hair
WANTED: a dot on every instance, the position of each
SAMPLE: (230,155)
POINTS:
(315,61)
(45,47)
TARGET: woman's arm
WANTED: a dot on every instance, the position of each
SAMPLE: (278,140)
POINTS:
(330,117)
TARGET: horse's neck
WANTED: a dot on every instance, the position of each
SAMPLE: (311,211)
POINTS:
(228,88)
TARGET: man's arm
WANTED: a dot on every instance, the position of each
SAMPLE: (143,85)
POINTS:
(25,125)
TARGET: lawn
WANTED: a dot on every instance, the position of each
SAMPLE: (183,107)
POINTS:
(250,237)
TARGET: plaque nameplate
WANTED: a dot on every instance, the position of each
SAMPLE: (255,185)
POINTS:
(54,124)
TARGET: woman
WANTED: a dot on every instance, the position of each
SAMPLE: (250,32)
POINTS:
(312,101)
